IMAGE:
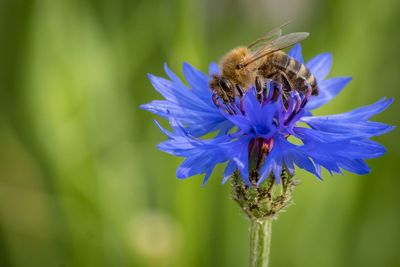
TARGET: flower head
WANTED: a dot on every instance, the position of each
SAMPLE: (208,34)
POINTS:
(262,135)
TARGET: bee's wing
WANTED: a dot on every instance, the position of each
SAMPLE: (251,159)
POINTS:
(274,45)
(273,34)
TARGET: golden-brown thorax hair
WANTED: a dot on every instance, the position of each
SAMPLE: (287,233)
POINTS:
(244,77)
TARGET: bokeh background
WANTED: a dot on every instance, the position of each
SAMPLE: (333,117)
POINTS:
(81,180)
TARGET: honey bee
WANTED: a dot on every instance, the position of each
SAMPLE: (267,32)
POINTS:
(263,60)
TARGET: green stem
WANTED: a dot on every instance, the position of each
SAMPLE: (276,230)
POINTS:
(260,240)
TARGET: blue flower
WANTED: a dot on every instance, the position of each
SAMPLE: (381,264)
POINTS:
(254,133)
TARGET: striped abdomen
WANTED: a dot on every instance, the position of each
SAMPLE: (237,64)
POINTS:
(280,66)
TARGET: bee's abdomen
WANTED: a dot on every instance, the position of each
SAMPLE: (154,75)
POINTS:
(297,73)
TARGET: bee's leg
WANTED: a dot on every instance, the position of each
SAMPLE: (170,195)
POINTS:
(286,83)
(239,90)
(216,99)
(224,97)
(277,84)
(259,88)
(307,95)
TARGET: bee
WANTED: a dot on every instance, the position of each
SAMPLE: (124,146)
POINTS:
(263,60)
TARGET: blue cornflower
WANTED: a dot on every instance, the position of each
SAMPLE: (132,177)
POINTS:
(254,132)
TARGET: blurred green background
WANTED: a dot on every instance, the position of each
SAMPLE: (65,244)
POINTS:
(81,180)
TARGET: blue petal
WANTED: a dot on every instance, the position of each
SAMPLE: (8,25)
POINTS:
(277,170)
(206,177)
(164,108)
(213,69)
(201,162)
(356,166)
(286,153)
(357,128)
(230,168)
(363,113)
(174,78)
(300,158)
(190,167)
(312,135)
(365,149)
(269,164)
(201,156)
(242,160)
(328,89)
(194,77)
(242,123)
(198,82)
(320,66)
(167,133)
(295,53)
(348,154)
(353,122)
(179,95)
(194,108)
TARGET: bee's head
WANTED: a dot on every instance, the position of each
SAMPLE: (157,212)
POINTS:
(223,87)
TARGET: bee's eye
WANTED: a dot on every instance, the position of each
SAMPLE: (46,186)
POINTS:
(225,84)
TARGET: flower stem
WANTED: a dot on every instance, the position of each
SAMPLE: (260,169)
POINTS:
(260,240)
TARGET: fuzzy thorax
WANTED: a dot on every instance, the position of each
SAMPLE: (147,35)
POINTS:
(244,77)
